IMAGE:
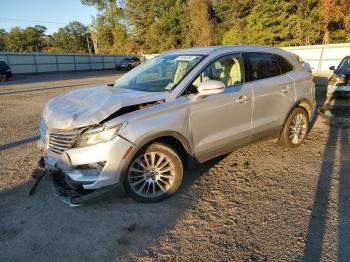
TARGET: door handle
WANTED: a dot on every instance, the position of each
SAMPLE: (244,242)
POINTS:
(286,89)
(242,99)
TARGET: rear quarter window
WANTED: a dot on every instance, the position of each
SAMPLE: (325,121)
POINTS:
(284,64)
(261,66)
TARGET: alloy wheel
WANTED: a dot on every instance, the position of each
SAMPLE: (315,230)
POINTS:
(151,175)
(298,129)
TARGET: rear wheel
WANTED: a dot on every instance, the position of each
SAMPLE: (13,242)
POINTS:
(295,129)
(154,174)
(129,67)
(3,77)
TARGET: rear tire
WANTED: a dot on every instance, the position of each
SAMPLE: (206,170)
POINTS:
(295,129)
(3,77)
(154,174)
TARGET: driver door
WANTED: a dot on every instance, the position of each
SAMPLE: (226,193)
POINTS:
(223,121)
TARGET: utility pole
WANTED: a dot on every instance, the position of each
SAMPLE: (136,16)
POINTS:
(87,40)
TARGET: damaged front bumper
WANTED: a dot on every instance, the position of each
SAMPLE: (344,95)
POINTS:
(84,173)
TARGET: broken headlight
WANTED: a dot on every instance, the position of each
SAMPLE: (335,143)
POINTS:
(340,79)
(97,135)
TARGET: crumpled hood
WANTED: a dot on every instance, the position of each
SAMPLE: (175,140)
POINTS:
(342,71)
(90,106)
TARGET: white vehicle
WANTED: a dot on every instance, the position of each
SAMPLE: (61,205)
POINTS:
(193,104)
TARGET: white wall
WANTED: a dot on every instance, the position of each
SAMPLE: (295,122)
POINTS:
(28,63)
(321,57)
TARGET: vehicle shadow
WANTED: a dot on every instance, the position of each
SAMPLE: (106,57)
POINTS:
(337,135)
(19,143)
(41,226)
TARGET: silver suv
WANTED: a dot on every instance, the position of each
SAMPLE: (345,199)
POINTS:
(195,104)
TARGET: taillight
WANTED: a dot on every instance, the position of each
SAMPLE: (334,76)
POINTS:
(301,61)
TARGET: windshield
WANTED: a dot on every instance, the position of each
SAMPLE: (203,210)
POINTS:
(159,74)
(126,59)
(345,64)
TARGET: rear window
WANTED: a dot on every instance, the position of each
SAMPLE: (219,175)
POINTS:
(284,64)
(261,66)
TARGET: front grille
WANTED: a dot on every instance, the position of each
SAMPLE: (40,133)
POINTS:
(57,140)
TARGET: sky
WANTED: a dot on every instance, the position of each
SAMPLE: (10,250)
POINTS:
(50,13)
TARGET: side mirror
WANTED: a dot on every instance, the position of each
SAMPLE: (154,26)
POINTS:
(211,87)
(332,68)
(308,67)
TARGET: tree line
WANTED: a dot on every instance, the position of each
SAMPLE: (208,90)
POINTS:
(152,26)
(73,38)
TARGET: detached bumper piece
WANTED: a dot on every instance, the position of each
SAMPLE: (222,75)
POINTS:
(76,195)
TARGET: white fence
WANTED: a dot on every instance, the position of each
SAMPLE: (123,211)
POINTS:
(27,63)
(321,57)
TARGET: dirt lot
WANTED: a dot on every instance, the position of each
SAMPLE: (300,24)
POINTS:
(259,203)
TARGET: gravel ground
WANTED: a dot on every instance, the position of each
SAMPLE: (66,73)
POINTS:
(259,203)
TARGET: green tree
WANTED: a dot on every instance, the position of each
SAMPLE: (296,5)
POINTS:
(28,40)
(34,38)
(15,41)
(230,20)
(309,27)
(72,38)
(109,28)
(158,25)
(202,26)
(2,39)
(141,15)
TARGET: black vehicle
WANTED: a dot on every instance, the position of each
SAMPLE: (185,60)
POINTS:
(128,63)
(339,83)
(5,71)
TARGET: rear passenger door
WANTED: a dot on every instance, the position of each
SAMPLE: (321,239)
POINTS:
(273,92)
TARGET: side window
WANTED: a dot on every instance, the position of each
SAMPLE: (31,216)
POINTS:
(284,64)
(228,69)
(261,66)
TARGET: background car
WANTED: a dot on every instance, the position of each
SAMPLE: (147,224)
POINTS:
(128,63)
(339,83)
(5,71)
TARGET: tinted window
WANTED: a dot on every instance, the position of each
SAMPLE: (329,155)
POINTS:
(284,64)
(228,69)
(261,66)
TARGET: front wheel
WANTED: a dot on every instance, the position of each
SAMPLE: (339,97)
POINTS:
(154,174)
(295,129)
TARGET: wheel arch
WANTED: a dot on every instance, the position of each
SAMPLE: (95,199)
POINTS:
(172,138)
(304,104)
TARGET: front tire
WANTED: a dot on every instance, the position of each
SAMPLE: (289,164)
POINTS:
(295,129)
(154,173)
